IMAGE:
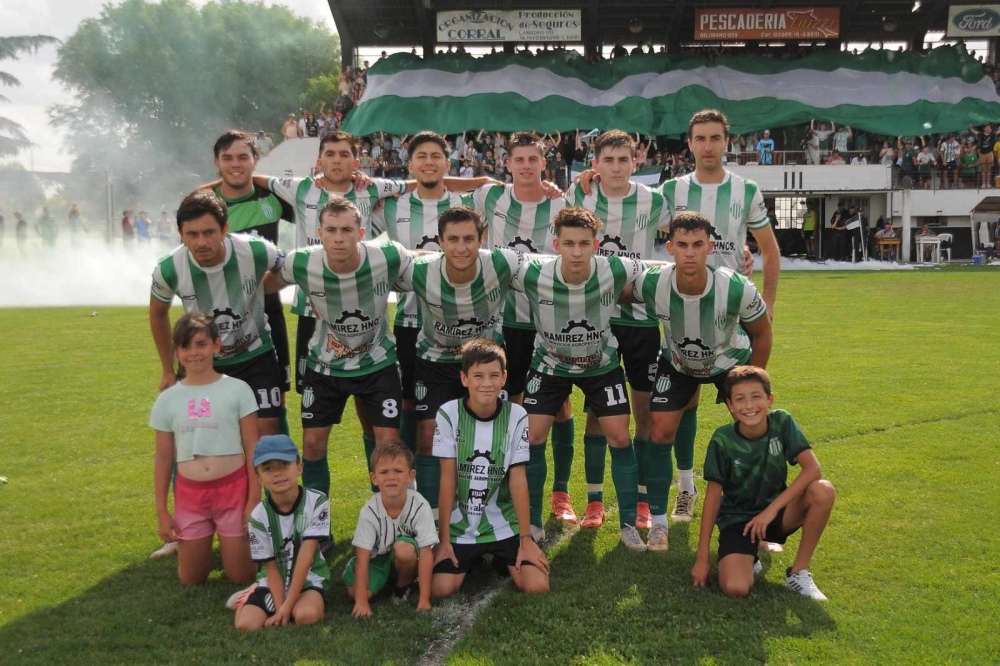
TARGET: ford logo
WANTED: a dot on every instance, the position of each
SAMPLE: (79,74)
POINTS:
(980,19)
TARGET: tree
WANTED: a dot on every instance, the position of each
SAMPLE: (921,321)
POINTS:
(12,136)
(155,83)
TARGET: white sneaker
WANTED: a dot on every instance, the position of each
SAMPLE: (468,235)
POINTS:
(631,539)
(169,549)
(684,507)
(758,566)
(538,534)
(238,598)
(658,539)
(802,582)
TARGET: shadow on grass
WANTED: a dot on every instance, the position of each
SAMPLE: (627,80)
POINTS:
(141,615)
(637,607)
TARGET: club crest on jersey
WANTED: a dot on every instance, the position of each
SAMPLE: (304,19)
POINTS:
(420,390)
(494,294)
(774,446)
(720,319)
(662,384)
(381,288)
(642,221)
(736,210)
(267,208)
(534,384)
(249,286)
(607,298)
(308,397)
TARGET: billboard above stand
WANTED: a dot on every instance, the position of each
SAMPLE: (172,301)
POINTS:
(516,25)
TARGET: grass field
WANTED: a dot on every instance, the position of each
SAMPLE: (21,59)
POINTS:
(892,376)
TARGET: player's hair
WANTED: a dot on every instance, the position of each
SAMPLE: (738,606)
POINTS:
(479,351)
(191,324)
(427,136)
(690,221)
(338,205)
(229,137)
(392,448)
(337,137)
(614,139)
(460,214)
(746,373)
(521,139)
(709,116)
(202,202)
(576,218)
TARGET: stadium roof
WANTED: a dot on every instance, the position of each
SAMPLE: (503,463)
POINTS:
(406,23)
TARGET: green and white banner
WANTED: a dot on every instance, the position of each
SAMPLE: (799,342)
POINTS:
(887,92)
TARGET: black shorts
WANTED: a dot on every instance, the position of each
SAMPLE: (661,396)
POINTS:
(504,554)
(306,328)
(406,354)
(324,397)
(732,540)
(279,335)
(439,383)
(264,377)
(951,166)
(808,235)
(605,394)
(262,599)
(673,390)
(639,347)
(519,344)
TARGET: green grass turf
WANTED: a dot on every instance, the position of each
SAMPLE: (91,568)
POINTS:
(890,375)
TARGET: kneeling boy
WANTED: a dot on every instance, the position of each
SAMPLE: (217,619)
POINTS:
(746,468)
(395,534)
(285,531)
(482,442)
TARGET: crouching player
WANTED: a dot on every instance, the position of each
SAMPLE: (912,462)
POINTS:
(746,468)
(482,442)
(285,531)
(395,534)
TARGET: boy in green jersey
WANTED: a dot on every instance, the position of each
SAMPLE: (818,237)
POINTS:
(482,442)
(747,468)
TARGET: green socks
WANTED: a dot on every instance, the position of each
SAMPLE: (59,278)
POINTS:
(408,429)
(684,440)
(640,458)
(625,476)
(283,422)
(563,435)
(369,442)
(316,475)
(658,477)
(536,472)
(428,478)
(594,454)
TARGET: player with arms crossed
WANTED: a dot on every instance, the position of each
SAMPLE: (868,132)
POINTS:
(519,216)
(573,298)
(630,213)
(461,293)
(352,351)
(732,205)
(704,311)
(748,497)
(482,442)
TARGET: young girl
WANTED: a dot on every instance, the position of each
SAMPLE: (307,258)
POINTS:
(207,423)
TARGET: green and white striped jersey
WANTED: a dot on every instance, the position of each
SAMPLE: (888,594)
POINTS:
(523,226)
(308,199)
(413,223)
(310,519)
(702,335)
(230,292)
(353,338)
(484,451)
(453,314)
(630,224)
(731,206)
(574,337)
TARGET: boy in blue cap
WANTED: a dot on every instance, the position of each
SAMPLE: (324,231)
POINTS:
(285,530)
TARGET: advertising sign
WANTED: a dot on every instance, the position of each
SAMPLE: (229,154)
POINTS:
(973,21)
(517,25)
(775,23)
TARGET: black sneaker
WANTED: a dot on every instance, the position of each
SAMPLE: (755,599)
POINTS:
(401,595)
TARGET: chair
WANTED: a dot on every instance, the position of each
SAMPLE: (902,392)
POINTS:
(946,241)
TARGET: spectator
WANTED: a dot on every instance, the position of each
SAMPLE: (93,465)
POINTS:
(143,227)
(985,141)
(302,124)
(835,158)
(128,231)
(925,232)
(841,139)
(948,152)
(907,158)
(264,143)
(859,159)
(467,170)
(619,51)
(21,229)
(312,127)
(290,130)
(815,141)
(394,165)
(809,229)
(367,163)
(968,161)
(838,233)
(886,231)
(887,154)
(926,165)
(765,148)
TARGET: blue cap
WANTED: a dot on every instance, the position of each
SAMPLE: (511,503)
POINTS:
(275,447)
